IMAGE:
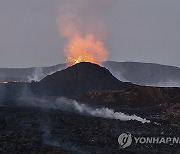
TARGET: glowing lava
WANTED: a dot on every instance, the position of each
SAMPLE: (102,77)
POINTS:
(87,49)
(4,82)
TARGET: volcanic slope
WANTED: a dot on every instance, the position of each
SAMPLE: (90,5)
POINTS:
(79,79)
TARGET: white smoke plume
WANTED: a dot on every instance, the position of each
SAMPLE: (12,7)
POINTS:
(37,75)
(106,113)
(73,106)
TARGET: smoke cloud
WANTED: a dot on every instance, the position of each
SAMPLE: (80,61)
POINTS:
(82,25)
(71,105)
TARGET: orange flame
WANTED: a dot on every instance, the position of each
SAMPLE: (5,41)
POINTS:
(85,37)
(87,49)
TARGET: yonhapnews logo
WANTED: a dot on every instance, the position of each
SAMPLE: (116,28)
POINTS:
(126,139)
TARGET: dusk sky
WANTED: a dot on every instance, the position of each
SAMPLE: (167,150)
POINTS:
(135,30)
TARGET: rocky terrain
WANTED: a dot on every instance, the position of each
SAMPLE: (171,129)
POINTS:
(35,118)
(41,130)
(135,97)
(158,103)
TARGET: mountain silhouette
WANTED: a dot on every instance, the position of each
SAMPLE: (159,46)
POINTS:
(79,79)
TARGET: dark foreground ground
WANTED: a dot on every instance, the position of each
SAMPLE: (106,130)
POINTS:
(38,130)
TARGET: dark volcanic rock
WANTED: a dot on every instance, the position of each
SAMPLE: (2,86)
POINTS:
(38,130)
(176,99)
(71,82)
(136,97)
(3,122)
(79,79)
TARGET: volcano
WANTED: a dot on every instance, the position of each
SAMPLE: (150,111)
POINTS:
(41,120)
(79,79)
(145,74)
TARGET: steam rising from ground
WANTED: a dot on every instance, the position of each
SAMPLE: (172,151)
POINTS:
(37,75)
(81,23)
(73,106)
